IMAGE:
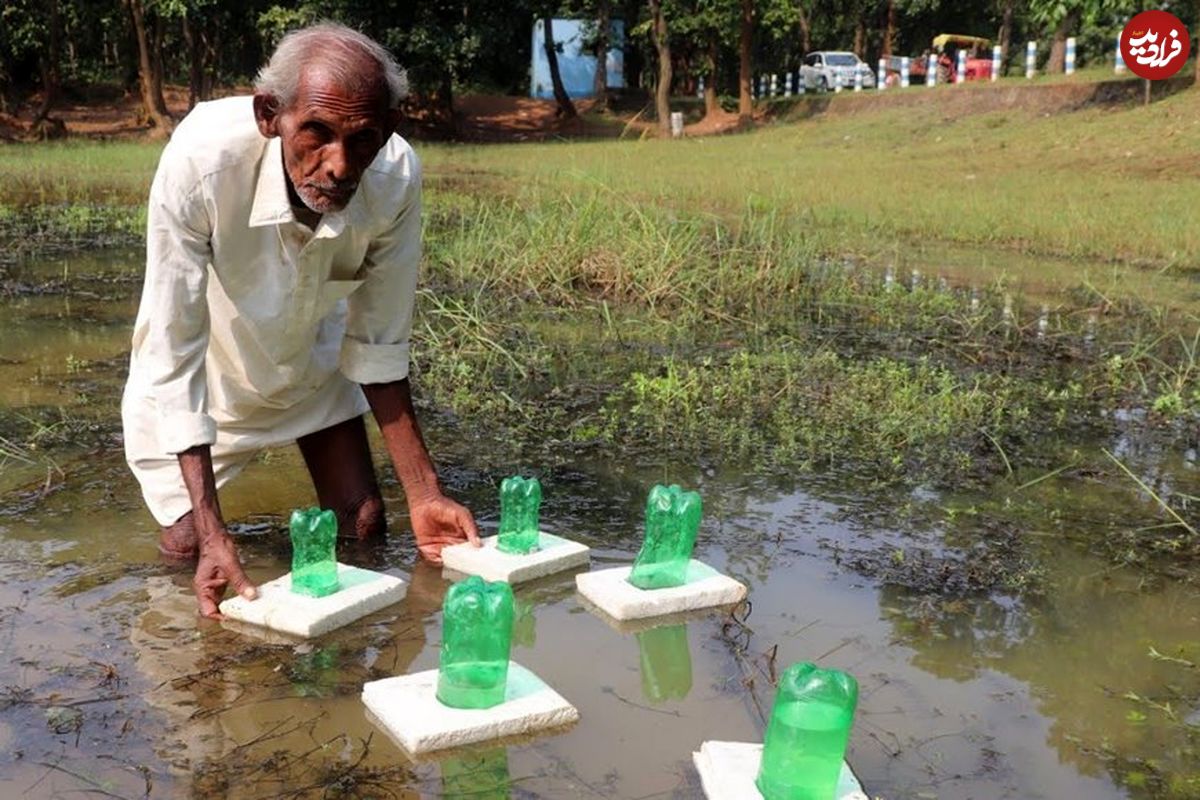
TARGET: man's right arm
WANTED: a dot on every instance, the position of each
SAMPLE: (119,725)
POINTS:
(218,566)
(170,345)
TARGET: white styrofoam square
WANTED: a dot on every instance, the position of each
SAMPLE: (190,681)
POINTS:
(362,592)
(554,554)
(728,770)
(608,590)
(408,708)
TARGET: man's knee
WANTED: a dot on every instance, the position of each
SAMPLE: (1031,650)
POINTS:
(364,519)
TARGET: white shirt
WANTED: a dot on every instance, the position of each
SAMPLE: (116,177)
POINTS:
(247,314)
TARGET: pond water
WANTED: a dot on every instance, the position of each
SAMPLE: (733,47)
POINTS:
(112,686)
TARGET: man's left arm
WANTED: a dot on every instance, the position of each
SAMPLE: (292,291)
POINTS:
(375,354)
(437,520)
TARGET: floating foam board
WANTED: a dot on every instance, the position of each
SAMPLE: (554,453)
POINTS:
(608,590)
(728,769)
(554,554)
(646,623)
(362,592)
(408,709)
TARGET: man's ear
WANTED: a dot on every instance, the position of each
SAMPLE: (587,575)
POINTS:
(266,113)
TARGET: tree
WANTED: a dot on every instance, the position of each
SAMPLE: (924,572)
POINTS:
(662,44)
(745,68)
(600,47)
(150,66)
(565,107)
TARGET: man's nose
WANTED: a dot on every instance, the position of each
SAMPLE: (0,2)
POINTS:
(337,164)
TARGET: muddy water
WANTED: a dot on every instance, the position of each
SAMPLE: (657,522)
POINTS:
(111,685)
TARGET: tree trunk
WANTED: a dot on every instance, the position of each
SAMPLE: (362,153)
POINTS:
(565,107)
(1058,45)
(860,38)
(149,73)
(50,66)
(745,78)
(603,22)
(889,30)
(710,83)
(662,92)
(805,28)
(1005,37)
(191,36)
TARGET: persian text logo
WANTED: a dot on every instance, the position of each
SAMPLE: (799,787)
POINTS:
(1154,45)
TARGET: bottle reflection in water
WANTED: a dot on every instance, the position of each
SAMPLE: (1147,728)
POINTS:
(807,734)
(479,775)
(666,663)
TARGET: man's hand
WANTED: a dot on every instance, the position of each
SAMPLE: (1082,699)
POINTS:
(439,521)
(219,567)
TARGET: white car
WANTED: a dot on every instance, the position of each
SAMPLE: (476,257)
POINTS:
(825,70)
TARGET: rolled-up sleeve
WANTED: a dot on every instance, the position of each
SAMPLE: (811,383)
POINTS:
(171,334)
(375,349)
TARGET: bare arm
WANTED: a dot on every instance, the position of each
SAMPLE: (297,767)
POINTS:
(436,519)
(218,565)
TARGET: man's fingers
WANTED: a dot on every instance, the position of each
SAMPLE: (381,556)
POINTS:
(238,580)
(466,523)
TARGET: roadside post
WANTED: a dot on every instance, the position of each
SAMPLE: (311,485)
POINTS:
(676,124)
(881,81)
(1030,59)
(858,78)
(1119,66)
(800,83)
(700,88)
(787,84)
(774,85)
(931,71)
(904,72)
(1070,64)
(960,74)
(996,62)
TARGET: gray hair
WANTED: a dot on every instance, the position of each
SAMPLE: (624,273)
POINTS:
(339,51)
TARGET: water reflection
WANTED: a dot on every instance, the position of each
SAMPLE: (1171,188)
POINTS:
(476,774)
(666,663)
(524,631)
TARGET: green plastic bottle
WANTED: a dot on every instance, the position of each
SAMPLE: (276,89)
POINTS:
(314,563)
(672,522)
(807,734)
(520,506)
(477,624)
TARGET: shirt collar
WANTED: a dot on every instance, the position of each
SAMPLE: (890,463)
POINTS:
(271,205)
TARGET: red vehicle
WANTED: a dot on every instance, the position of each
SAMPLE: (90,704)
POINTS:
(945,49)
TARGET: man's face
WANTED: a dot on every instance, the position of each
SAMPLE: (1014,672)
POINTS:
(329,135)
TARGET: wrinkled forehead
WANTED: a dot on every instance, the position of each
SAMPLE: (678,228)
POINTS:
(354,89)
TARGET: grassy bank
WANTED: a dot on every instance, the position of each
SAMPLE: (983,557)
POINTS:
(729,297)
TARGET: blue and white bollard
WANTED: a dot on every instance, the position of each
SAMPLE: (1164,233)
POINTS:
(762,85)
(1070,65)
(960,72)
(774,85)
(931,71)
(881,80)
(858,79)
(1119,67)
(800,88)
(996,62)
(1030,59)
(787,85)
(904,72)
(700,88)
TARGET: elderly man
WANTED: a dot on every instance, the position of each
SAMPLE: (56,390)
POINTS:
(281,264)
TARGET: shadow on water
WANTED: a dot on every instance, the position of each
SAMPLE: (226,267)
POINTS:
(112,685)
